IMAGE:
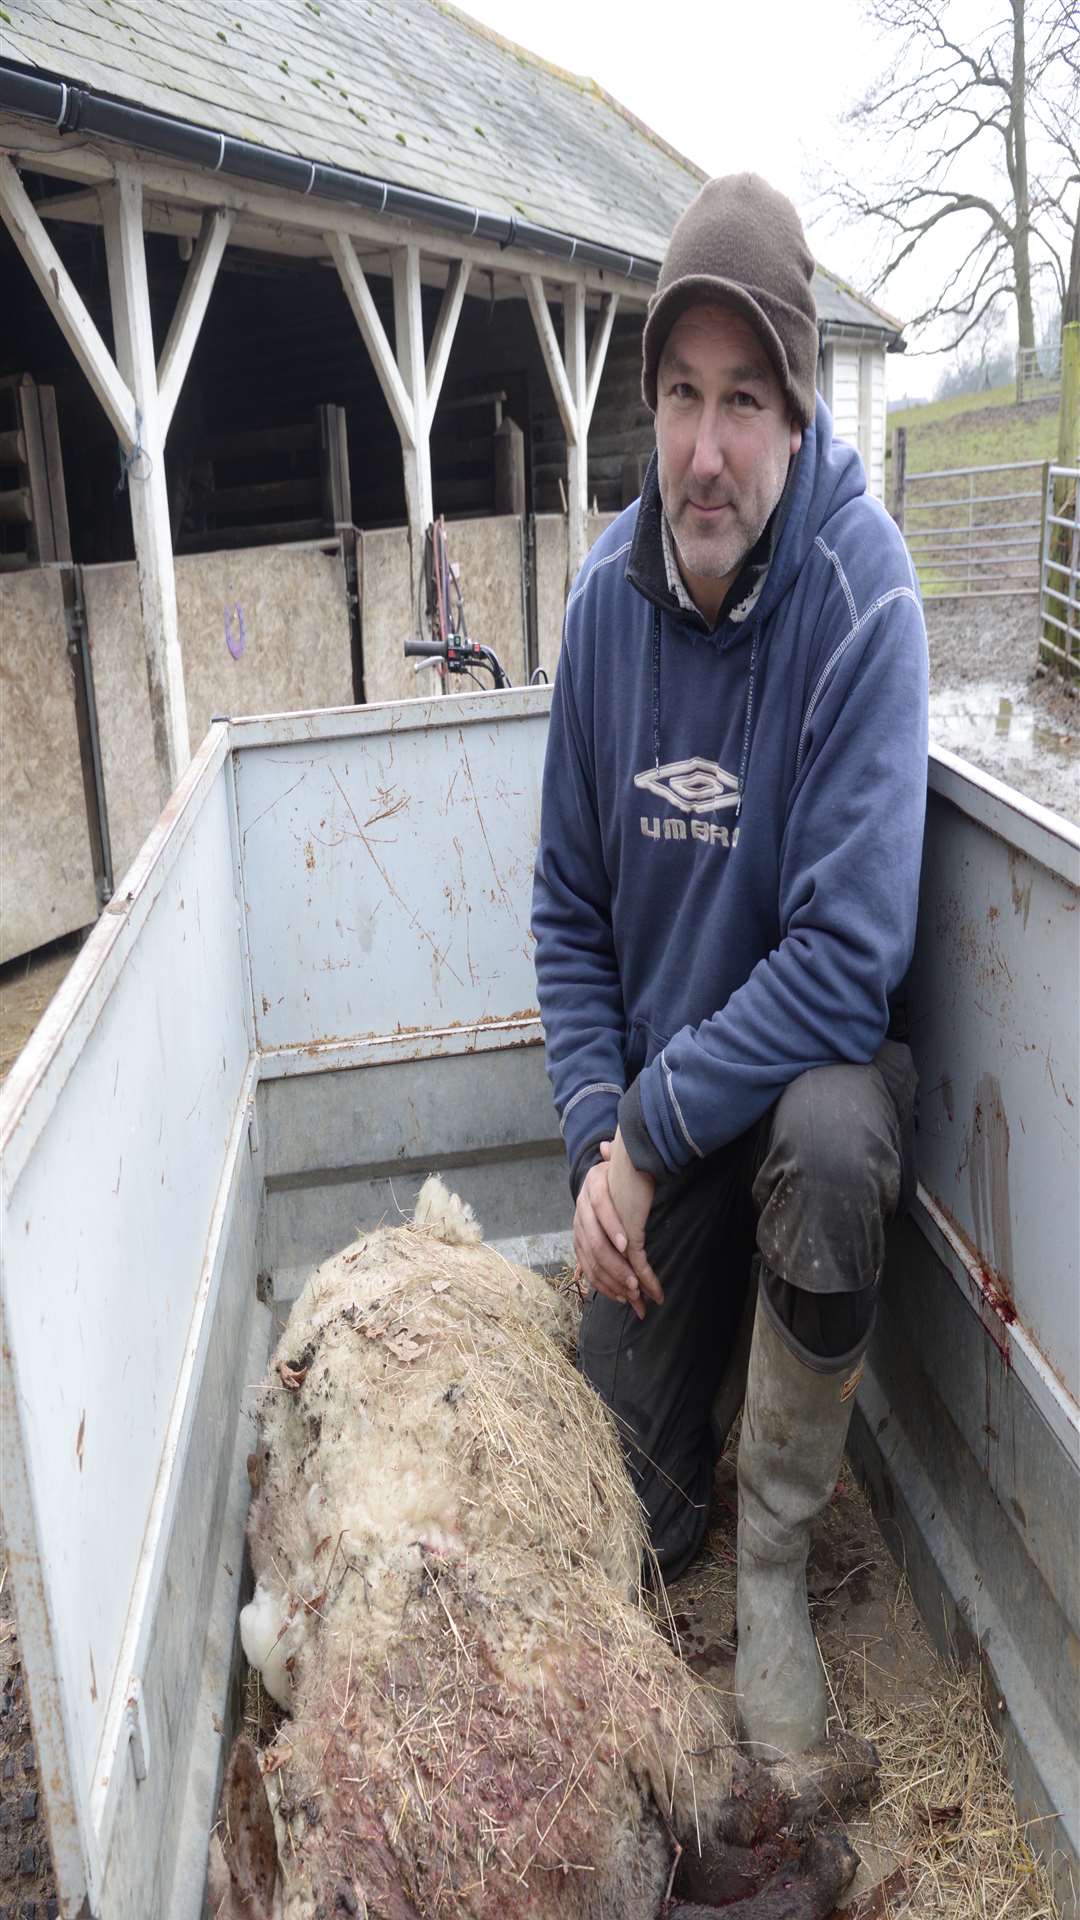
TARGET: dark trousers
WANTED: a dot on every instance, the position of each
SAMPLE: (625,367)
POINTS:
(809,1190)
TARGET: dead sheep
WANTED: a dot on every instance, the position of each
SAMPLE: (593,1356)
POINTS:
(485,1722)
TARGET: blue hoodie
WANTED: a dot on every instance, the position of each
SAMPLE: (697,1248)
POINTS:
(727,879)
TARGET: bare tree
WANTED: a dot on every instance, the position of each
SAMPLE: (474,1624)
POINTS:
(981,132)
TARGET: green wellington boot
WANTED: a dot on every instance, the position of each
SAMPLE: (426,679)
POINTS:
(795,1422)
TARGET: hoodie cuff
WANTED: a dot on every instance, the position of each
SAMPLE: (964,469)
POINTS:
(588,1158)
(636,1136)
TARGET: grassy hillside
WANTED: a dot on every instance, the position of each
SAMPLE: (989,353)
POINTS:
(977,430)
(994,538)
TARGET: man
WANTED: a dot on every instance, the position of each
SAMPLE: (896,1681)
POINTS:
(724,910)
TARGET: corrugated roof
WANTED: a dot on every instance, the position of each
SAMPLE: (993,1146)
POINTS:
(410,91)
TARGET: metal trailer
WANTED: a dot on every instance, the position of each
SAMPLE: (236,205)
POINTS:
(314,986)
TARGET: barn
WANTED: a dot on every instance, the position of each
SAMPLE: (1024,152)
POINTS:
(279,288)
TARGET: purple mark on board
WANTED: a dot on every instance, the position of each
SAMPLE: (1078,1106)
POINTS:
(236,647)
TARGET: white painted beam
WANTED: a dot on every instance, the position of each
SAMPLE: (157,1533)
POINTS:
(598,353)
(577,452)
(358,294)
(191,188)
(190,312)
(130,294)
(553,360)
(81,204)
(409,340)
(65,303)
(445,329)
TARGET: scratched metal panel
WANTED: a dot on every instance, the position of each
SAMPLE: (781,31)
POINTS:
(116,1126)
(996,1003)
(388,868)
(344,1149)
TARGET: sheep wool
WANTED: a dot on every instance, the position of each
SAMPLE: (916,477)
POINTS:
(485,1722)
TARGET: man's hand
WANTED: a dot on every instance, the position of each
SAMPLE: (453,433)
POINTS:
(609,1229)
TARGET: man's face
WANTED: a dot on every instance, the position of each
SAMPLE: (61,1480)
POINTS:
(724,438)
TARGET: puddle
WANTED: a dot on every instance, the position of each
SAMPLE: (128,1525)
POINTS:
(1001,729)
(1000,723)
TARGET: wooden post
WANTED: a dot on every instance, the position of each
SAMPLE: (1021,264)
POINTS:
(899,474)
(510,469)
(190,311)
(577,452)
(409,344)
(410,384)
(334,467)
(1068,454)
(65,303)
(1061,546)
(1045,472)
(130,294)
(128,389)
(575,384)
(445,328)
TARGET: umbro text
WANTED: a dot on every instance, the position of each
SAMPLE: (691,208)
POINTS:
(704,830)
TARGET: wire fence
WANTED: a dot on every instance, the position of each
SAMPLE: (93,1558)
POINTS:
(974,531)
(1059,593)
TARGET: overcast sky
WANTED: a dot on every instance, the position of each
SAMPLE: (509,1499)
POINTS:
(732,87)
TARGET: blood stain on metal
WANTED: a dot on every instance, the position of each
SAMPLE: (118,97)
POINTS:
(79,1438)
(1021,893)
(985,1285)
(988,1175)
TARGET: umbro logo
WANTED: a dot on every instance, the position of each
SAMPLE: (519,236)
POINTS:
(694,786)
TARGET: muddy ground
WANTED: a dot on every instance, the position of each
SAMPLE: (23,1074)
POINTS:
(991,704)
(27,1889)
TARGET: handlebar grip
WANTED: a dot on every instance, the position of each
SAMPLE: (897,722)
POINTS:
(425,649)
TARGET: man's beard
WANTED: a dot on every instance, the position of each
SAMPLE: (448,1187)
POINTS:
(720,553)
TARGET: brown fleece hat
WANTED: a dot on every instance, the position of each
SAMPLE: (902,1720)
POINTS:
(741,243)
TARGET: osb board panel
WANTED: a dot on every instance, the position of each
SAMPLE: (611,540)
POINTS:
(551,579)
(550,569)
(387,618)
(46,864)
(489,558)
(488,555)
(114,624)
(262,630)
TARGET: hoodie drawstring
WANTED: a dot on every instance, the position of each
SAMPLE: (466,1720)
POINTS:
(656,688)
(748,724)
(745,761)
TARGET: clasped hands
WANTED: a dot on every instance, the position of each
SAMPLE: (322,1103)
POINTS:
(609,1229)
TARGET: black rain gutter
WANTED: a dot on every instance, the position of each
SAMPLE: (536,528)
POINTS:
(72,109)
(838,329)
